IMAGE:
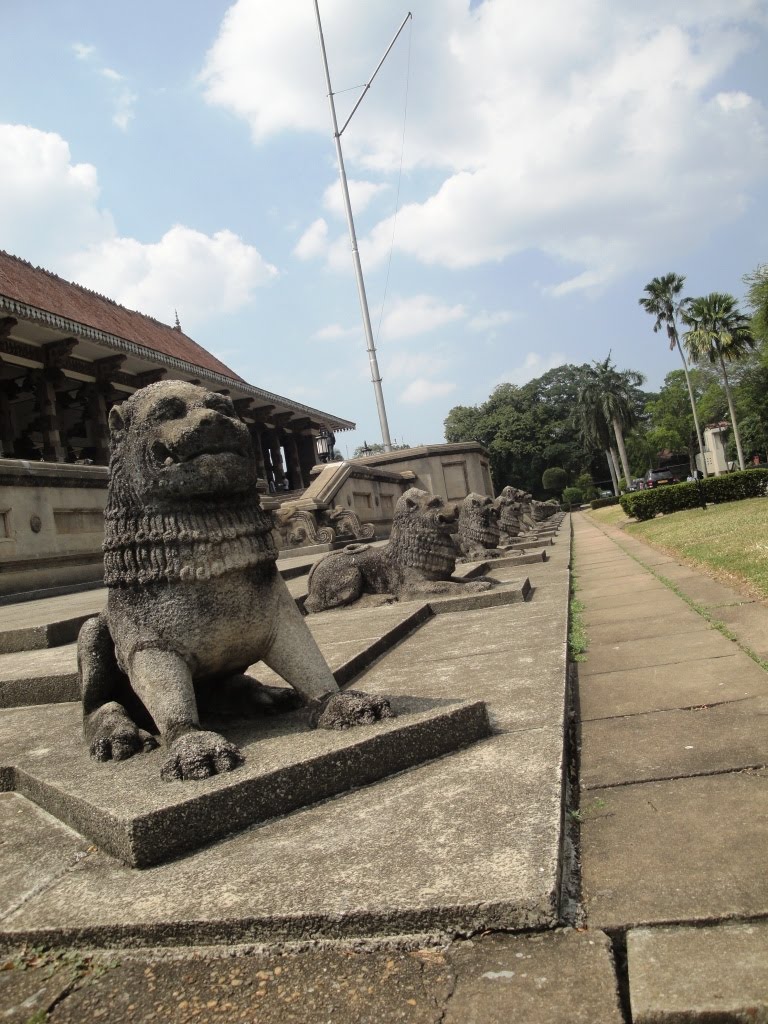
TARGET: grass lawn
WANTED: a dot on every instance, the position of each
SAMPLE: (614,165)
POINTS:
(728,541)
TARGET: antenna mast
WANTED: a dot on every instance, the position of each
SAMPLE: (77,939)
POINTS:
(375,375)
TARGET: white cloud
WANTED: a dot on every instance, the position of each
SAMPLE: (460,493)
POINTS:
(314,241)
(401,365)
(50,212)
(423,390)
(418,315)
(361,193)
(83,51)
(335,332)
(534,365)
(590,130)
(123,98)
(48,204)
(489,321)
(186,270)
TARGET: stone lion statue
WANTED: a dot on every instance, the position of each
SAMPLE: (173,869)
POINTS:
(194,593)
(478,535)
(419,559)
(509,512)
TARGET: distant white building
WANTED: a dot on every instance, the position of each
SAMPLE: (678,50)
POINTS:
(714,449)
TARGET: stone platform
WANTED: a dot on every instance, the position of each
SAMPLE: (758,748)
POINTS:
(462,842)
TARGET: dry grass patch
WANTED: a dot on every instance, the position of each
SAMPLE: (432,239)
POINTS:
(610,515)
(728,541)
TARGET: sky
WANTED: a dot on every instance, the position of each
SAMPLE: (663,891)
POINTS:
(519,170)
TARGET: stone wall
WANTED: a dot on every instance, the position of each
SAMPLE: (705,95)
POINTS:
(51,524)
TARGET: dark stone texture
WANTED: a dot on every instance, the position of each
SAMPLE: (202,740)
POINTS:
(418,561)
(194,593)
(288,765)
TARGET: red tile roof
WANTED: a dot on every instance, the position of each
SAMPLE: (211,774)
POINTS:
(40,288)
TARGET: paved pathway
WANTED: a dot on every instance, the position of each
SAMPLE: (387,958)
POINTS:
(674,798)
(674,831)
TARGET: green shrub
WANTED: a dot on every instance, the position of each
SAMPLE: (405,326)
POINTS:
(604,502)
(586,485)
(715,489)
(572,496)
(554,479)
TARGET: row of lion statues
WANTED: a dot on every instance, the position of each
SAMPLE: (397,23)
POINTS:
(195,597)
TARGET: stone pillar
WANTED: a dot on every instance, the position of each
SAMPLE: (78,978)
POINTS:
(53,449)
(6,419)
(307,456)
(98,425)
(292,459)
(276,457)
(255,431)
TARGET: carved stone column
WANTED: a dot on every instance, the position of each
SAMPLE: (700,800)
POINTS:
(53,355)
(258,450)
(98,406)
(307,456)
(292,459)
(276,457)
(7,387)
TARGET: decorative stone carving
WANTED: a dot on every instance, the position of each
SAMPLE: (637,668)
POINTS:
(299,527)
(419,559)
(347,524)
(508,510)
(194,593)
(479,533)
(543,510)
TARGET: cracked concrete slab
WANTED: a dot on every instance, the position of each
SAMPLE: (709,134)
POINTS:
(679,850)
(669,744)
(464,843)
(35,850)
(125,809)
(661,650)
(560,978)
(699,974)
(647,627)
(643,608)
(636,691)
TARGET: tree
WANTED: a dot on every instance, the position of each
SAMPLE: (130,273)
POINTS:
(377,448)
(718,332)
(526,429)
(554,479)
(671,423)
(663,302)
(605,403)
(757,300)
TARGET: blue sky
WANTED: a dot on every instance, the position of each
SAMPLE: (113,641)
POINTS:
(556,156)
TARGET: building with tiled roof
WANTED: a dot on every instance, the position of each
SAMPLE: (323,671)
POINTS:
(67,354)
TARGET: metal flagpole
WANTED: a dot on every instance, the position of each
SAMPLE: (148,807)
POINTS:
(375,375)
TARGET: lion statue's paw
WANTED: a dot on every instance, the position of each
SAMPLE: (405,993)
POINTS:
(348,709)
(198,755)
(113,736)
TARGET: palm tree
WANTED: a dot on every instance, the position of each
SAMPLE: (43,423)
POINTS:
(720,333)
(605,403)
(663,302)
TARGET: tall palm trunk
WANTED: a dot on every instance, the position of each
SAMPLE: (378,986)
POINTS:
(732,411)
(622,451)
(613,466)
(693,407)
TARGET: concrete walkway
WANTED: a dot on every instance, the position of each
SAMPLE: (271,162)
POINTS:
(674,788)
(673,826)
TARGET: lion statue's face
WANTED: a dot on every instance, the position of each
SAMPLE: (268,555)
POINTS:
(420,507)
(173,441)
(478,519)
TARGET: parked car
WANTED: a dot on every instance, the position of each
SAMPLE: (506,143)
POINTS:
(657,477)
(637,485)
